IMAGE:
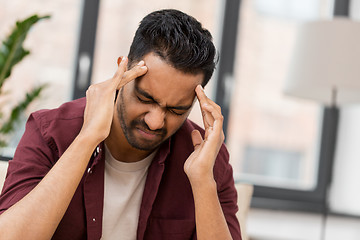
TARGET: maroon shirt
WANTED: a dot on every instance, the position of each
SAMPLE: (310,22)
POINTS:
(167,209)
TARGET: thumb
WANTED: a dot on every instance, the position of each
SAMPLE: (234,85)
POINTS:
(196,138)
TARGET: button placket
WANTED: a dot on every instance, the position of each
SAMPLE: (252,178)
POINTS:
(97,151)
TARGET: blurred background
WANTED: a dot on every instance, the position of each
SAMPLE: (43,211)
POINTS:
(275,140)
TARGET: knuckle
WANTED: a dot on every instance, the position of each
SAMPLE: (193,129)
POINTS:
(209,107)
(90,89)
(222,136)
(125,75)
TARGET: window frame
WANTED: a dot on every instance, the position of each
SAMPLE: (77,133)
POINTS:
(86,48)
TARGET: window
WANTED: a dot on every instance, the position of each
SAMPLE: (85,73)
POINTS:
(274,139)
(52,44)
(275,135)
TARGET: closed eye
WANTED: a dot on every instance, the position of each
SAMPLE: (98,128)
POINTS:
(173,111)
(147,101)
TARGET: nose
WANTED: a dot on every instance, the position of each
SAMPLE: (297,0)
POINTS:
(155,118)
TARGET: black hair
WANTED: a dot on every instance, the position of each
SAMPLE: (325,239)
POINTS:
(177,38)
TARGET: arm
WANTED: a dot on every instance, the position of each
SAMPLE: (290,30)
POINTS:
(209,217)
(24,220)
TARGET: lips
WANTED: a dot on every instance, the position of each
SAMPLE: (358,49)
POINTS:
(148,134)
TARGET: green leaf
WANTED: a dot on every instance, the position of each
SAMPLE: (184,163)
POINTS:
(3,143)
(12,51)
(16,112)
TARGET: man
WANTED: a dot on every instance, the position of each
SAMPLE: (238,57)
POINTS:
(136,169)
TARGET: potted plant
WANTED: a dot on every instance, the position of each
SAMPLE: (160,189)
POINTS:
(11,53)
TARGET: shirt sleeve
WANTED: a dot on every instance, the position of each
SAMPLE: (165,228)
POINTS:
(227,192)
(32,161)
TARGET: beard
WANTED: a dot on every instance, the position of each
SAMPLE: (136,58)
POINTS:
(129,129)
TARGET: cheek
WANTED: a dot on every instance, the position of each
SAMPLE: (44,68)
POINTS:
(173,123)
(131,104)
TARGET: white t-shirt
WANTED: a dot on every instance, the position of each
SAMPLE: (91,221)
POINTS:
(124,187)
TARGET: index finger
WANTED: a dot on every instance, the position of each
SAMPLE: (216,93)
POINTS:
(136,71)
(204,102)
(200,94)
(122,67)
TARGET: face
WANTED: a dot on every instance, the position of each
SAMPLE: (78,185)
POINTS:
(153,107)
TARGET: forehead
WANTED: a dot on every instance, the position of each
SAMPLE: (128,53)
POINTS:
(167,84)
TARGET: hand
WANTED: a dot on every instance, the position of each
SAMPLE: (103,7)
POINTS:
(199,165)
(100,99)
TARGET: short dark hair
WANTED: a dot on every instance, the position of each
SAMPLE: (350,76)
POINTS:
(177,38)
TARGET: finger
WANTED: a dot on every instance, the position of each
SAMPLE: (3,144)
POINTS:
(207,116)
(200,93)
(122,67)
(216,129)
(207,106)
(137,71)
(119,60)
(196,138)
(213,114)
(213,111)
(206,103)
(203,100)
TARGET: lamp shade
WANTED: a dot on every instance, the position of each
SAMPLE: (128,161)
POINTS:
(326,60)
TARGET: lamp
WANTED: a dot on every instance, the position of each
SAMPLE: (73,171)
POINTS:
(326,62)
(325,67)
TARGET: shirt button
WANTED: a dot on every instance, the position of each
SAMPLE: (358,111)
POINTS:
(89,170)
(94,220)
(97,151)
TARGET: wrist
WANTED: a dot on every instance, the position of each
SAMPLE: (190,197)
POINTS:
(87,140)
(204,183)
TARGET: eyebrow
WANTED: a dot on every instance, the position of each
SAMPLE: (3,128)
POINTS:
(147,95)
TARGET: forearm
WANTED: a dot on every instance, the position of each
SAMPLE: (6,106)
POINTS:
(38,214)
(210,219)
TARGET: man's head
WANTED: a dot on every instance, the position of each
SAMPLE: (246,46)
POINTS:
(179,39)
(179,55)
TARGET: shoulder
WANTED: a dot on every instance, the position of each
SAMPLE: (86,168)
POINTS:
(60,125)
(67,111)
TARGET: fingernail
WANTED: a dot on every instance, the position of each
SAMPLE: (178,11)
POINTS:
(141,63)
(119,60)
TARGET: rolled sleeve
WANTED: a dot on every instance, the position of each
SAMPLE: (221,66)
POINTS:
(32,161)
(227,193)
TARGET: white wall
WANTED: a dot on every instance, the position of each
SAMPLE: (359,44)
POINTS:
(345,194)
(280,225)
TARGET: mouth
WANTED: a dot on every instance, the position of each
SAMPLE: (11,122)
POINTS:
(147,135)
